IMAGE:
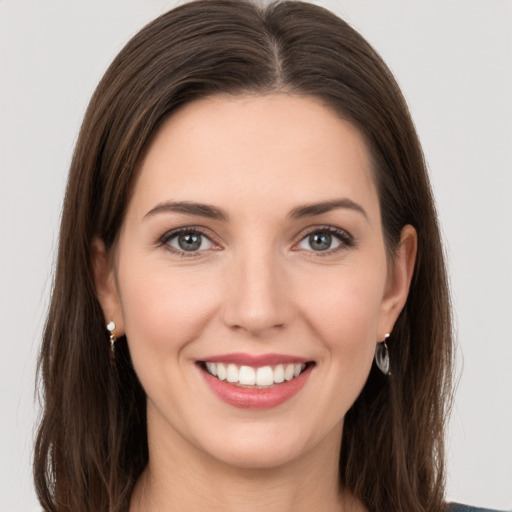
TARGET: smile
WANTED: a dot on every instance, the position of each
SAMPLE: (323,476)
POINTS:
(260,377)
(255,382)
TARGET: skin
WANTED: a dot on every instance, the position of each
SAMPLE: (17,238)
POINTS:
(258,286)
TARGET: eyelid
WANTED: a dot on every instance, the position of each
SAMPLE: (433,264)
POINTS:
(168,235)
(346,239)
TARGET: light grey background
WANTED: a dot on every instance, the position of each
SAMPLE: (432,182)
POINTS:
(453,59)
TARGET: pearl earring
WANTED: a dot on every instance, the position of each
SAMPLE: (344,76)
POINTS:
(111,327)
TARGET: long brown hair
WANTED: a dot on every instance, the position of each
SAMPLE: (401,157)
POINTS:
(92,441)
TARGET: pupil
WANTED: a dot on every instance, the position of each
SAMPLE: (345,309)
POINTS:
(189,242)
(320,241)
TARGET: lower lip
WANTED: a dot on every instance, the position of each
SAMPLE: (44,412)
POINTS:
(248,398)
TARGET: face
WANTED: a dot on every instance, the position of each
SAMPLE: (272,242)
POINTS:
(252,249)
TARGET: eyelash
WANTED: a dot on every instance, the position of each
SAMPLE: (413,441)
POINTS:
(165,239)
(346,240)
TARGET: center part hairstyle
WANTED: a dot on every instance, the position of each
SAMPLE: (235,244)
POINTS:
(92,440)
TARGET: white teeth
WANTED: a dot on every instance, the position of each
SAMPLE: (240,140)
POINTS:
(212,368)
(249,376)
(221,371)
(279,374)
(288,373)
(232,373)
(265,376)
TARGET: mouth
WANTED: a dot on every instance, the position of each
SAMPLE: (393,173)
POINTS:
(254,377)
(249,382)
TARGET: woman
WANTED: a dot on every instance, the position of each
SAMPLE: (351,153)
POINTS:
(248,224)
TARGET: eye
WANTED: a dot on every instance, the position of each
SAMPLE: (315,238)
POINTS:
(328,239)
(187,241)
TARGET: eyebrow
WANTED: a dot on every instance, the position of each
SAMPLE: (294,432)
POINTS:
(212,212)
(189,208)
(310,210)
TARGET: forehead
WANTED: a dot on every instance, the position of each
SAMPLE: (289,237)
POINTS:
(279,149)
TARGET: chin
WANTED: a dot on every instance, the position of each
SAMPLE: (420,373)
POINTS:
(258,455)
(266,446)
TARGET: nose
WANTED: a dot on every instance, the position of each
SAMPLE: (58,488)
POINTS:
(256,299)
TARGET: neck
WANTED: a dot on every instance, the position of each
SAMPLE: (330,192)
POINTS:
(184,478)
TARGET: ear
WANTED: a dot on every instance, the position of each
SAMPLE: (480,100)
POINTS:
(399,281)
(106,286)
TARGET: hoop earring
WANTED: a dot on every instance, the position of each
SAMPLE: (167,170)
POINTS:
(111,327)
(382,356)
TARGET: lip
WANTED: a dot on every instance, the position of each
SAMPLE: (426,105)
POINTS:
(254,398)
(256,361)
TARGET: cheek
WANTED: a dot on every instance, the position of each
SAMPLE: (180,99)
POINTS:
(343,310)
(163,309)
(345,300)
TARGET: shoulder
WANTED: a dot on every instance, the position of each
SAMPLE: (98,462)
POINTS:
(457,507)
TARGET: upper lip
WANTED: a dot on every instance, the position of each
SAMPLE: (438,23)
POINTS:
(255,361)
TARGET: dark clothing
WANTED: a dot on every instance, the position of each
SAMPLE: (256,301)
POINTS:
(457,507)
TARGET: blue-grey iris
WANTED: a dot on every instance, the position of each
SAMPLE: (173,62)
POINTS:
(189,241)
(320,241)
